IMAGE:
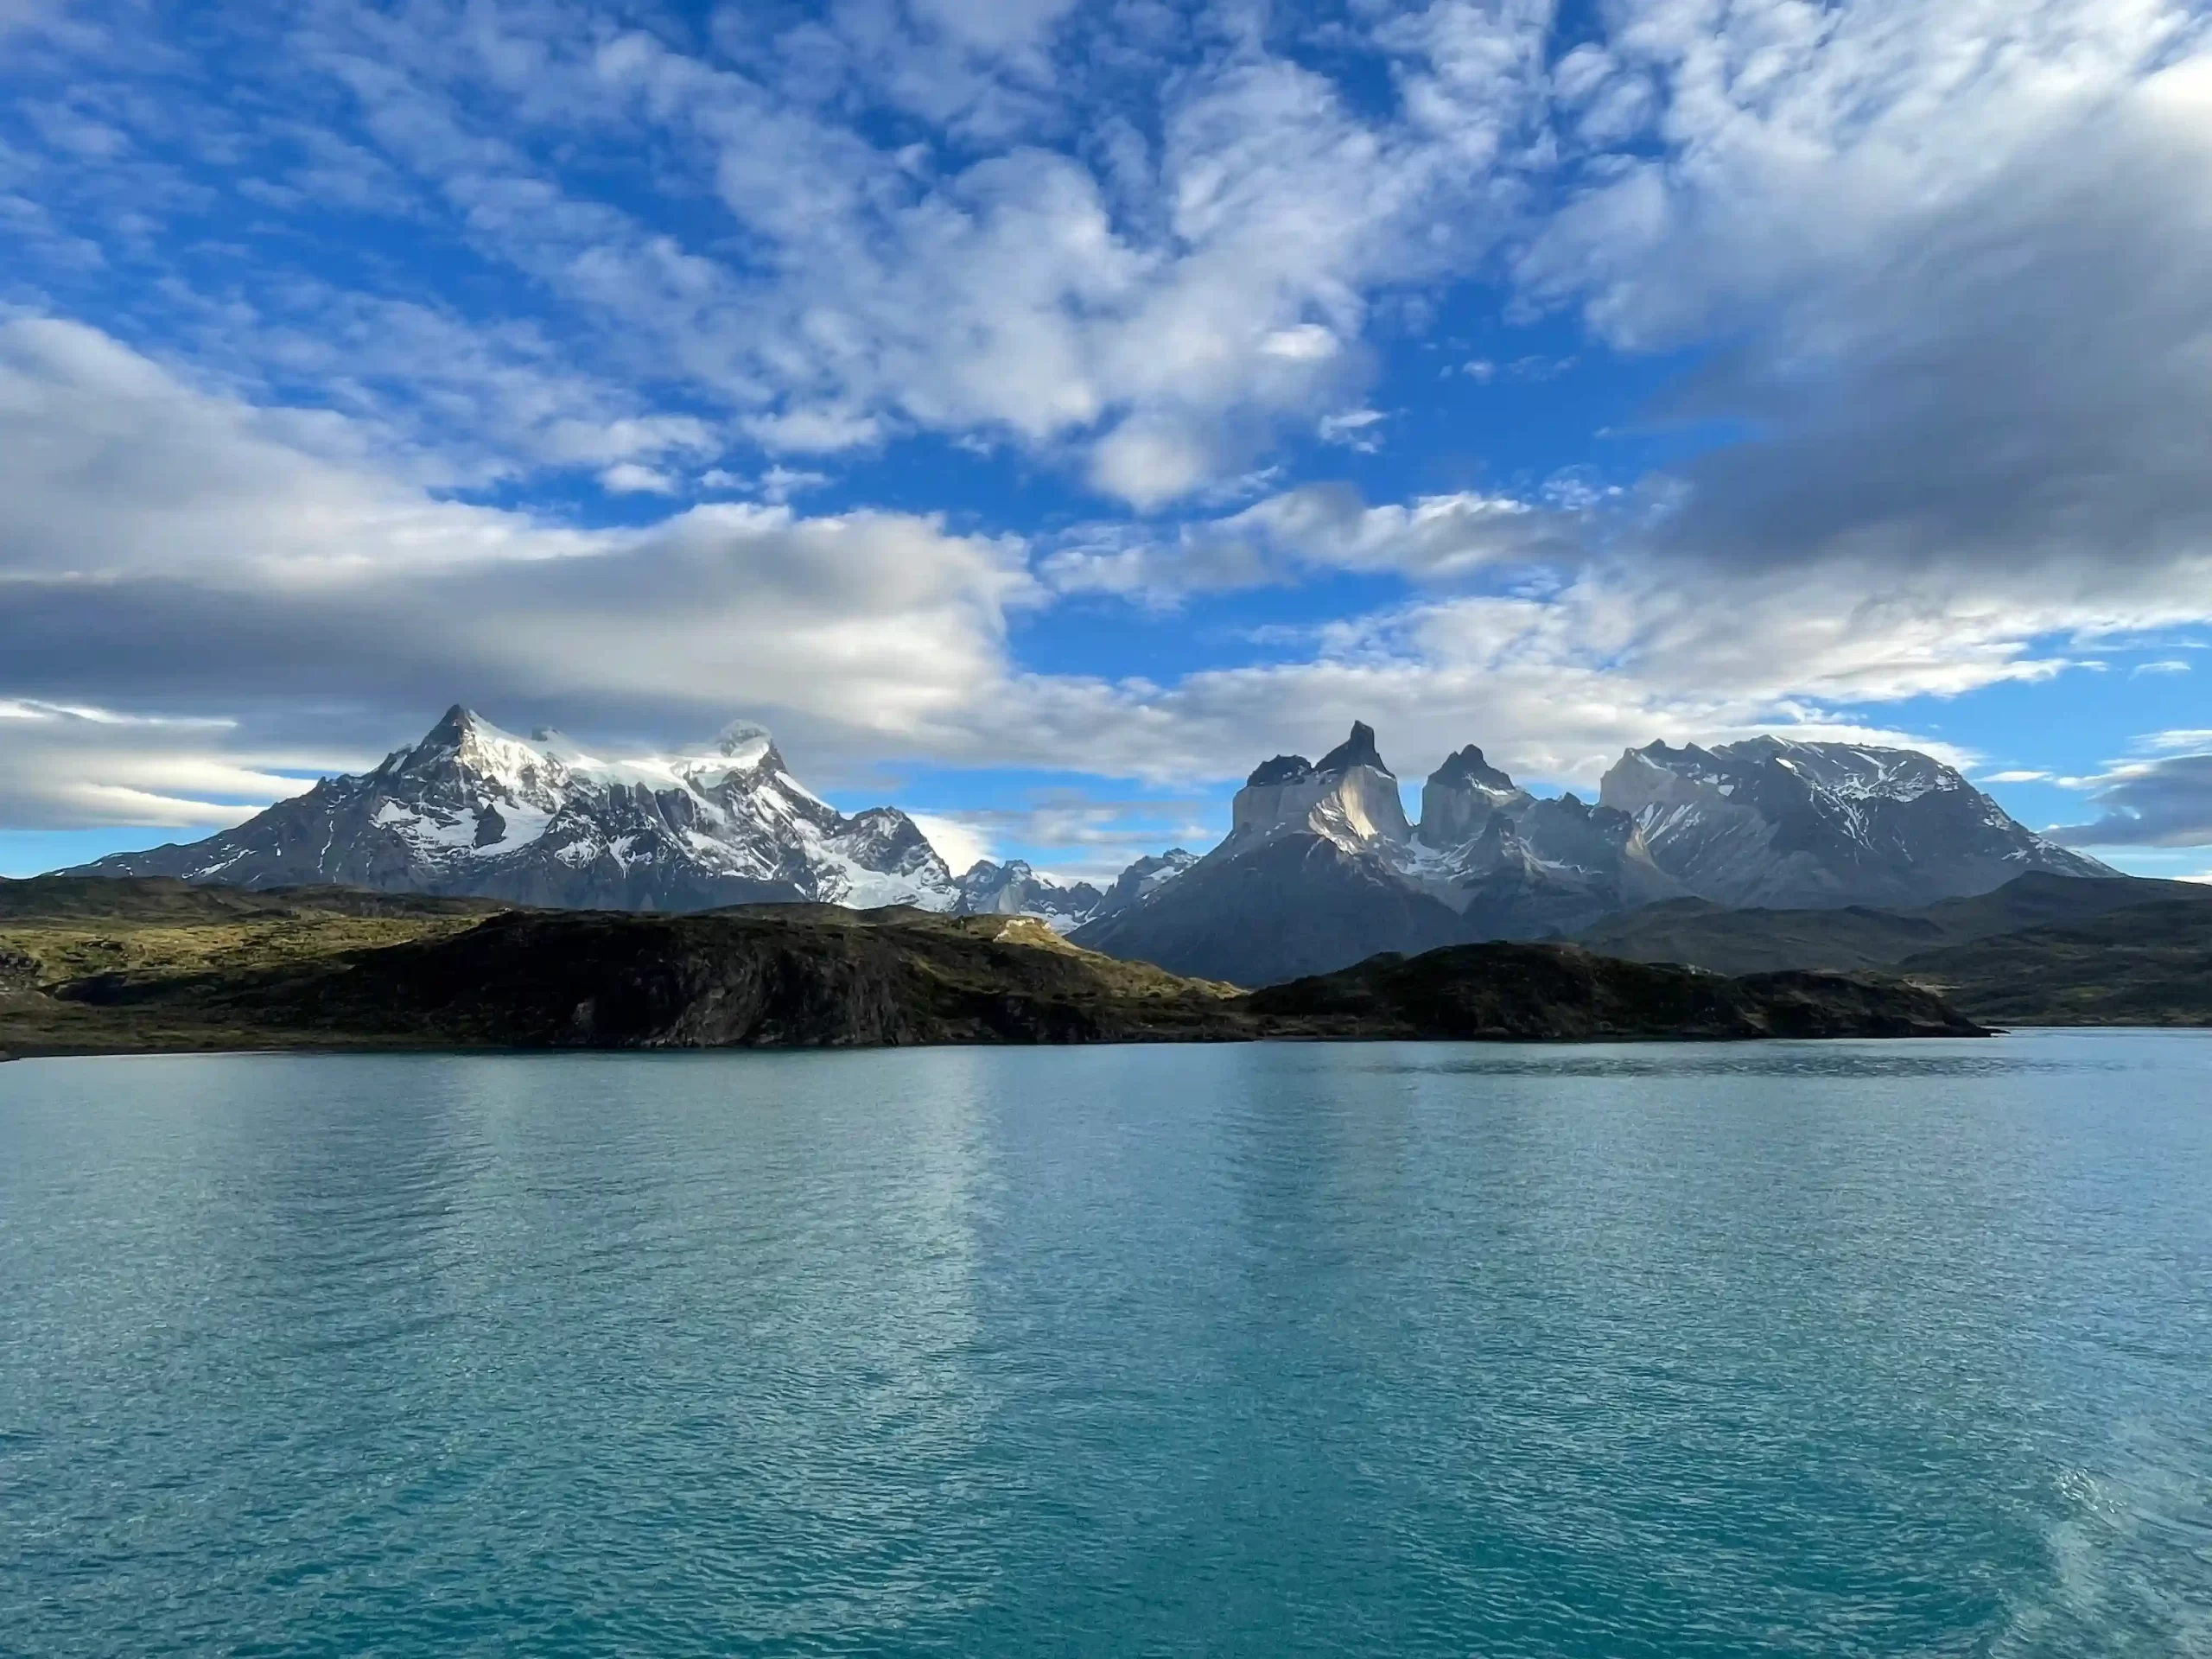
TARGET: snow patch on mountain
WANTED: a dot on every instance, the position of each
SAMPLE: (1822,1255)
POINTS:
(475,810)
(1772,821)
(1015,889)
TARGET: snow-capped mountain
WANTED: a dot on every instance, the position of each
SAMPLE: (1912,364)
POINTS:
(1144,878)
(1802,825)
(474,809)
(1014,889)
(1321,869)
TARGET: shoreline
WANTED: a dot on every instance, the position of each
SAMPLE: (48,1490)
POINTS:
(85,1052)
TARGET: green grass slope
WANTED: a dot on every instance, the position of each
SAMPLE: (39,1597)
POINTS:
(1856,938)
(2145,965)
(168,969)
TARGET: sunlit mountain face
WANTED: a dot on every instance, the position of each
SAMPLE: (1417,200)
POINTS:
(1038,413)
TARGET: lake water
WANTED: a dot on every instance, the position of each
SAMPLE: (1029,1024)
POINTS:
(1795,1349)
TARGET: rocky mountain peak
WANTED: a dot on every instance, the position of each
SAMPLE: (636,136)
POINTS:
(453,727)
(1463,796)
(1468,766)
(1014,888)
(1775,822)
(1350,797)
(1283,769)
(1357,750)
(1144,878)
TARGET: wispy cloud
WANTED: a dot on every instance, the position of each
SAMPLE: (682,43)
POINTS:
(321,393)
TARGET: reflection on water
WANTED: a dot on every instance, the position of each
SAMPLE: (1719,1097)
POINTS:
(1833,1349)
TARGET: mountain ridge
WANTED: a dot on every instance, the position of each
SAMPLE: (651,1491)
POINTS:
(1852,938)
(472,810)
(1772,822)
(1320,867)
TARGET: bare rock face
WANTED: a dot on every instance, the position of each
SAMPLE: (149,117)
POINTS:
(1350,797)
(1804,825)
(1553,867)
(1320,869)
(1143,879)
(1462,796)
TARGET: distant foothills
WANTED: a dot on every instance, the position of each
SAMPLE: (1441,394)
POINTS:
(1320,868)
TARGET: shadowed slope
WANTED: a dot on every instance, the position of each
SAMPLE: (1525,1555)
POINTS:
(818,976)
(1706,934)
(1510,992)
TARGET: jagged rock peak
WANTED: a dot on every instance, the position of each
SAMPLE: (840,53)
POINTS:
(1357,750)
(1283,769)
(453,726)
(1350,797)
(1462,796)
(1014,888)
(1468,766)
(456,731)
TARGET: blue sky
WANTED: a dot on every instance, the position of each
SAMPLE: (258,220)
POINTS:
(1037,412)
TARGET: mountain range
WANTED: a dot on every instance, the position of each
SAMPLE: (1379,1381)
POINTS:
(1322,868)
(475,811)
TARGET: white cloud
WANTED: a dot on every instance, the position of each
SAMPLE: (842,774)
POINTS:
(1307,343)
(86,765)
(113,468)
(776,486)
(1296,532)
(959,842)
(1173,307)
(1354,428)
(1151,463)
(628,478)
(1971,313)
(1966,309)
(239,568)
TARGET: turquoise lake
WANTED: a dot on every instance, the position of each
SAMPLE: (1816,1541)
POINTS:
(1852,1349)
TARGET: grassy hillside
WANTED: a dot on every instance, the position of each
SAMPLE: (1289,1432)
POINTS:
(1856,938)
(169,969)
(2145,965)
(1519,992)
(97,939)
(122,965)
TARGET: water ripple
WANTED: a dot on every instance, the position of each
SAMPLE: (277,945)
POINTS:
(1624,1351)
